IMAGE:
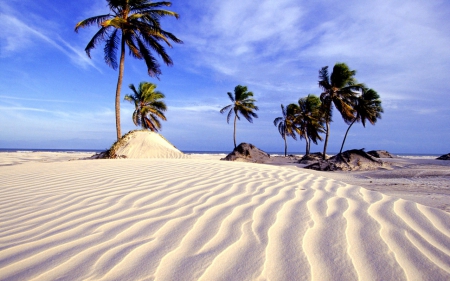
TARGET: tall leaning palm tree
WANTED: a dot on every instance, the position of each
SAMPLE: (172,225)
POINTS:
(286,124)
(367,107)
(242,103)
(339,89)
(148,106)
(133,25)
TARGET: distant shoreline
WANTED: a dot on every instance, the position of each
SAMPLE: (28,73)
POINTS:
(272,153)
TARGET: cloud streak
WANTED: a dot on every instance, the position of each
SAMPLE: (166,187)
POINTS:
(19,36)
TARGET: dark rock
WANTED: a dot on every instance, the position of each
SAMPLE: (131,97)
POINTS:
(311,158)
(444,157)
(350,160)
(380,154)
(246,152)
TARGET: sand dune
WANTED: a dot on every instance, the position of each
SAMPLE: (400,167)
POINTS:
(191,219)
(145,144)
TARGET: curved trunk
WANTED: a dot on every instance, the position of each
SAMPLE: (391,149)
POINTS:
(285,145)
(326,141)
(345,137)
(234,134)
(119,86)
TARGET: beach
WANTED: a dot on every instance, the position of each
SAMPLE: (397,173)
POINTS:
(198,218)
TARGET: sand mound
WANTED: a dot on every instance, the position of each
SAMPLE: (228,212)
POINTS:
(142,144)
(246,152)
(380,154)
(169,219)
(444,157)
(350,160)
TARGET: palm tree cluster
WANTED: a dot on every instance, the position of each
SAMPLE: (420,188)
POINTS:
(133,25)
(303,119)
(312,115)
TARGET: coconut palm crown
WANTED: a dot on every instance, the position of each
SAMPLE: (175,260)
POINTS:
(148,106)
(367,107)
(133,25)
(339,89)
(242,103)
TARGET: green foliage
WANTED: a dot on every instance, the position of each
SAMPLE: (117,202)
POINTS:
(136,24)
(132,24)
(243,104)
(367,107)
(310,118)
(338,89)
(149,107)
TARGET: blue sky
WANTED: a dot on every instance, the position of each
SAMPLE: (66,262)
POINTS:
(53,96)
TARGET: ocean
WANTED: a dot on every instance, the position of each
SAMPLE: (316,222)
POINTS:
(272,153)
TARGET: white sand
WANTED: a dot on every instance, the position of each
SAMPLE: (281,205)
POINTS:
(147,144)
(193,219)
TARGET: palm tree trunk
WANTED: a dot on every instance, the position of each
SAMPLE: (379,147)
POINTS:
(326,141)
(285,145)
(119,86)
(234,134)
(307,144)
(348,129)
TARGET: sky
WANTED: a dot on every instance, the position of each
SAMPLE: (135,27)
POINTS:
(52,95)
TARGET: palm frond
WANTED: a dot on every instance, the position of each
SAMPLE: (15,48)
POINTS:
(153,67)
(158,48)
(229,115)
(230,95)
(110,49)
(99,36)
(225,108)
(278,120)
(93,20)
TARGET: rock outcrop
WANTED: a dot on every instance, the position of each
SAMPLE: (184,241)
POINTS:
(444,157)
(246,152)
(350,160)
(380,154)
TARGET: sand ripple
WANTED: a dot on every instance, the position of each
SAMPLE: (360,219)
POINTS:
(167,219)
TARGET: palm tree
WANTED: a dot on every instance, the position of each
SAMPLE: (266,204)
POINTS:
(310,120)
(243,103)
(339,89)
(367,106)
(148,106)
(134,24)
(286,124)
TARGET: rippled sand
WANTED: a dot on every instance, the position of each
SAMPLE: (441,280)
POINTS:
(193,219)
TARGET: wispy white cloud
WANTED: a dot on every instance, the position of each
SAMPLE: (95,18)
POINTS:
(3,97)
(196,108)
(269,44)
(19,36)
